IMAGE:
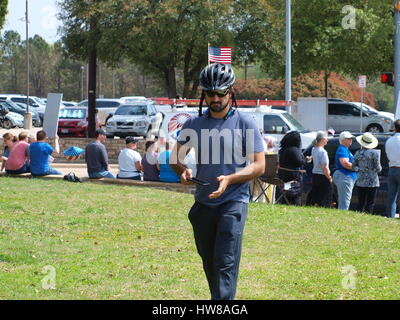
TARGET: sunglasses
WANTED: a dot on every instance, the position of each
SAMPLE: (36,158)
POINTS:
(219,93)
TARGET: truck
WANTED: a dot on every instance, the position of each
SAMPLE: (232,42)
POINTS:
(325,113)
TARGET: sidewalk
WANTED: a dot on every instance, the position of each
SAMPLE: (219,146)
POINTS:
(79,169)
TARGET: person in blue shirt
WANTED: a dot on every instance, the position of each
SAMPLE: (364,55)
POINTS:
(166,173)
(344,177)
(230,153)
(40,155)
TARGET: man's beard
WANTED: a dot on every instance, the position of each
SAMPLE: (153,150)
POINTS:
(218,107)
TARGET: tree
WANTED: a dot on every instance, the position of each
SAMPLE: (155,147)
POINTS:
(331,36)
(3,12)
(160,36)
(12,58)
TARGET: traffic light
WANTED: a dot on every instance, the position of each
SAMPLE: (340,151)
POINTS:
(388,78)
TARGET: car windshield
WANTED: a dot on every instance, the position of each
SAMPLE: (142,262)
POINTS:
(298,126)
(137,110)
(72,114)
(13,106)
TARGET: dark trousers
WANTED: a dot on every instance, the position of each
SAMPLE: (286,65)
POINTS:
(366,199)
(218,235)
(321,190)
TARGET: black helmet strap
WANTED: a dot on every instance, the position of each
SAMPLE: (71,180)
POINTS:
(231,111)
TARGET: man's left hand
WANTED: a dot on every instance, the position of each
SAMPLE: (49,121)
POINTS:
(223,184)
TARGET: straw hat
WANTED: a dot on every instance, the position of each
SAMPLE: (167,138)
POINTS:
(367,140)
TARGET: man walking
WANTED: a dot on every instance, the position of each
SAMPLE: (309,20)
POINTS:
(96,157)
(392,148)
(229,152)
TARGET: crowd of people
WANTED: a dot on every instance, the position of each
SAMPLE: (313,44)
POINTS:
(153,166)
(357,172)
(28,153)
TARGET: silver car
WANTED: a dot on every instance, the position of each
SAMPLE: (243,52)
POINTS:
(345,116)
(138,118)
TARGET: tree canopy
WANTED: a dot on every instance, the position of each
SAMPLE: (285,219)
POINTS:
(3,12)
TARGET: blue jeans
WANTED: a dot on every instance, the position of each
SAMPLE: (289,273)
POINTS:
(24,169)
(345,185)
(218,234)
(393,182)
(101,174)
(48,172)
(138,177)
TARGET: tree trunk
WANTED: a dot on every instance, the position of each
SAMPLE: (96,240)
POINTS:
(326,78)
(170,81)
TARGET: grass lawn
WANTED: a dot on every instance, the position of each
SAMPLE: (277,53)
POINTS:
(113,242)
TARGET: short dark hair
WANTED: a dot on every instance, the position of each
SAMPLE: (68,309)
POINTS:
(41,135)
(148,144)
(397,125)
(99,132)
(23,135)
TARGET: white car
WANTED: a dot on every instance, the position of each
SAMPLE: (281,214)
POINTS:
(139,118)
(105,108)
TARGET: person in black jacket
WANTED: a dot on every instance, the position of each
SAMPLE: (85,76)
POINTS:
(291,162)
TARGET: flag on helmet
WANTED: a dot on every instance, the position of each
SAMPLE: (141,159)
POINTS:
(73,153)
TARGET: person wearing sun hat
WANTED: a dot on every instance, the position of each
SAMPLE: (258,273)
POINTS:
(367,164)
(344,177)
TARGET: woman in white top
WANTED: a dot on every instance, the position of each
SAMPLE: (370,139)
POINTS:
(321,175)
(129,161)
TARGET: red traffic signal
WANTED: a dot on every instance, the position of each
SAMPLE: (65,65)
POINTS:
(388,78)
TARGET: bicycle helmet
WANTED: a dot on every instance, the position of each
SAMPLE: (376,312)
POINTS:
(217,76)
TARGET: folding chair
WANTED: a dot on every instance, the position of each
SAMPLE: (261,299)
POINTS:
(270,177)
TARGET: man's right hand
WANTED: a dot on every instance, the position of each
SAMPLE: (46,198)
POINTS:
(186,174)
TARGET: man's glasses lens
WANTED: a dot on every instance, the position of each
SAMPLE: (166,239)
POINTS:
(219,93)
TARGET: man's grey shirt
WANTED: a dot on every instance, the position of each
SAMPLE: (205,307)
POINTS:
(222,147)
(96,157)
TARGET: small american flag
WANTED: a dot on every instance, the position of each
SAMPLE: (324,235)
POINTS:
(220,55)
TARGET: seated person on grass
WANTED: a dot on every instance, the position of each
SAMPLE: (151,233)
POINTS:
(96,157)
(129,161)
(17,161)
(40,155)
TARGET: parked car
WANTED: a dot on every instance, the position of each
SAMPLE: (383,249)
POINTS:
(138,118)
(10,119)
(73,122)
(105,108)
(344,115)
(333,144)
(20,108)
(372,110)
(37,104)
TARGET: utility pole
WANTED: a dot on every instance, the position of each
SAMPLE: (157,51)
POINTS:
(288,71)
(92,93)
(27,114)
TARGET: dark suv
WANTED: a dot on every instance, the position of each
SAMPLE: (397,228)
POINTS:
(331,147)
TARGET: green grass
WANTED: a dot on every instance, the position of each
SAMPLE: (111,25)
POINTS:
(113,242)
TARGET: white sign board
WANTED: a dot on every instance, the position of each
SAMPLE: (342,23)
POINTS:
(312,113)
(50,122)
(362,81)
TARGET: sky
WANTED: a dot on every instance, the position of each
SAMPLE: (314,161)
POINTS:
(42,16)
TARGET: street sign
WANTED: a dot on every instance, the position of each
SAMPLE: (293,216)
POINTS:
(362,81)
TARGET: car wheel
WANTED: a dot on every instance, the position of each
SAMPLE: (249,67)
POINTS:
(7,124)
(374,128)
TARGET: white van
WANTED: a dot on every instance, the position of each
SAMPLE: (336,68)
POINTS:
(271,122)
